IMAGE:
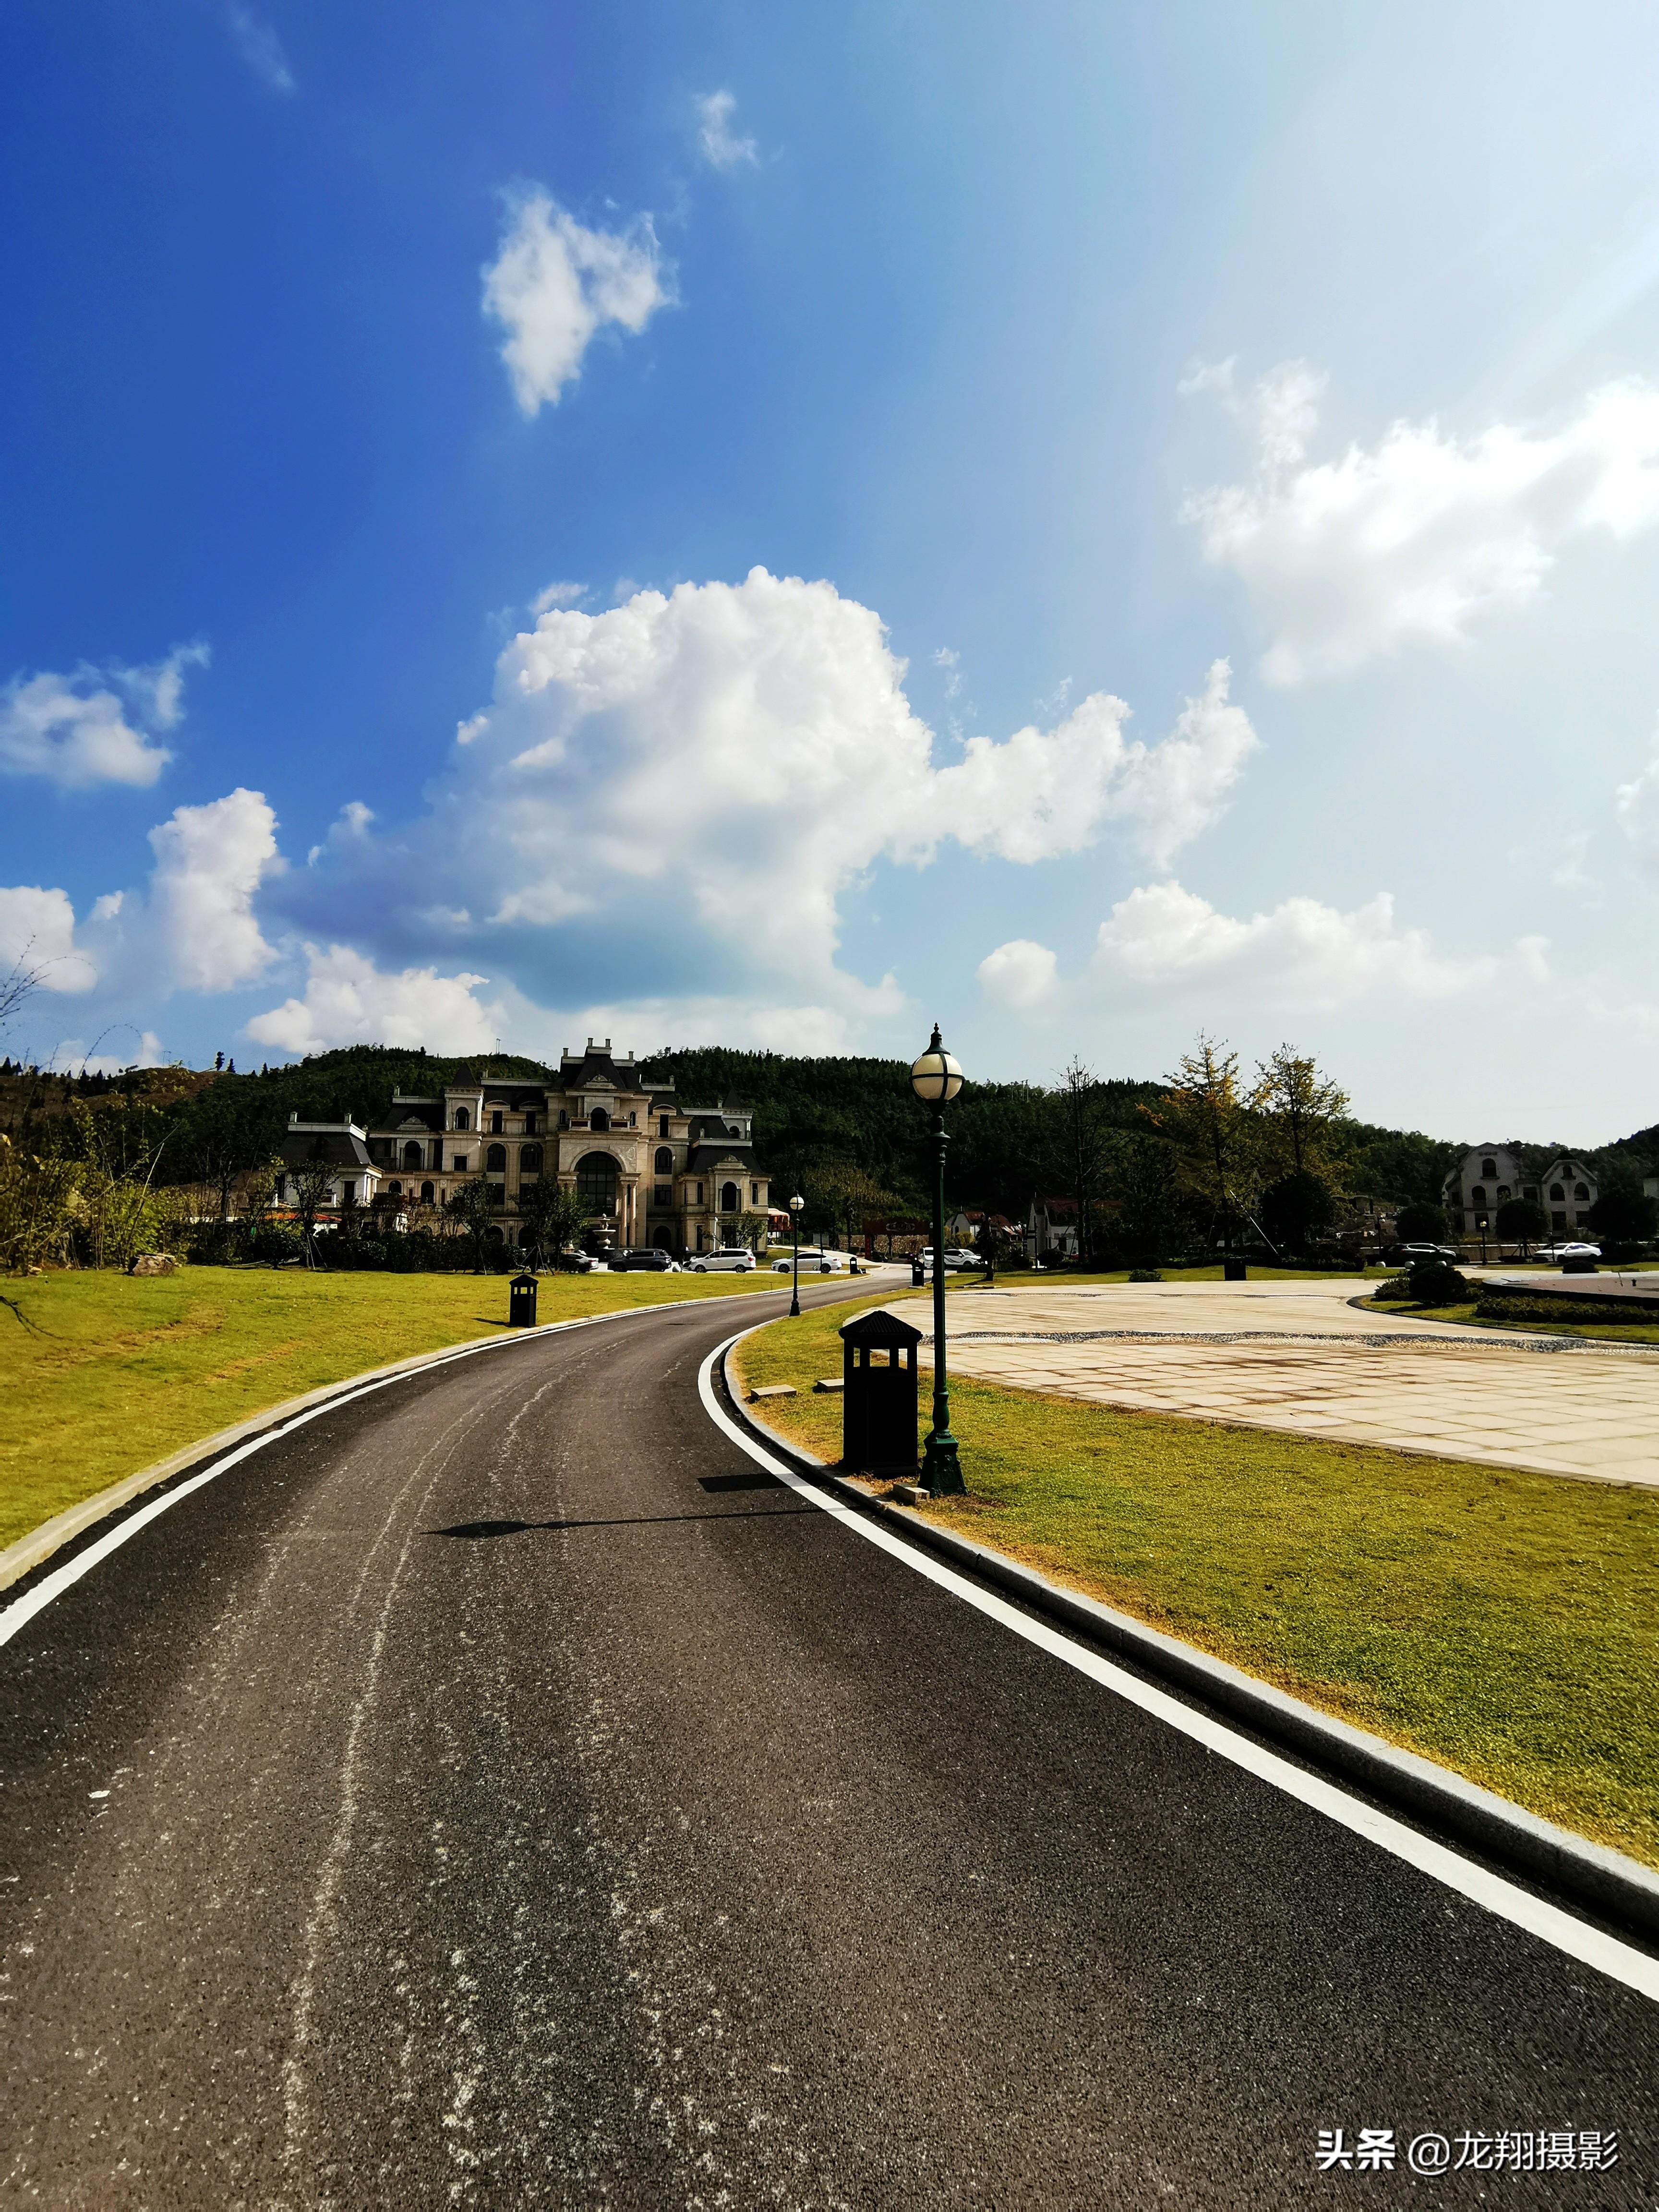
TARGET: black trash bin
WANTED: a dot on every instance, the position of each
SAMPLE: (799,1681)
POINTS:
(1232,1268)
(879,1393)
(521,1301)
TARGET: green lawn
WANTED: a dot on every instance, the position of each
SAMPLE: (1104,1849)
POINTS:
(1602,1332)
(1505,1624)
(104,1374)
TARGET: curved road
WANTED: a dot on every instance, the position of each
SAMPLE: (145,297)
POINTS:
(497,1792)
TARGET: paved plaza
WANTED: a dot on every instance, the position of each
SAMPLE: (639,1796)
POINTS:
(1297,1356)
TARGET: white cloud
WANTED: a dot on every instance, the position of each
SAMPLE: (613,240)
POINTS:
(1637,807)
(210,861)
(731,758)
(1163,936)
(348,1000)
(259,47)
(74,1055)
(37,929)
(1419,538)
(555,283)
(557,595)
(1019,974)
(95,725)
(721,147)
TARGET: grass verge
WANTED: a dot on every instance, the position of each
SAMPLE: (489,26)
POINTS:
(1505,1624)
(1600,1332)
(104,1374)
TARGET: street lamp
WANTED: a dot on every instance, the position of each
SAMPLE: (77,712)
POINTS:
(936,1078)
(795,1205)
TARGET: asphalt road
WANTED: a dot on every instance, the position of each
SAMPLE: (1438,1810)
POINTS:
(489,1796)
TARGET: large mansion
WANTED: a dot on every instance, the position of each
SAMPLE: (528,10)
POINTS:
(656,1172)
(1489,1176)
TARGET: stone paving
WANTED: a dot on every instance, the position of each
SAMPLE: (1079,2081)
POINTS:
(1297,1356)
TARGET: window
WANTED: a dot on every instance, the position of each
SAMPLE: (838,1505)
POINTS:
(530,1160)
(1556,1192)
(495,1160)
(462,1121)
(394,1188)
(348,1193)
(495,1125)
(596,1181)
(664,1160)
(1478,1195)
(427,1194)
(530,1125)
(730,1198)
(598,1119)
(662,1126)
(411,1155)
(564,1119)
(663,1195)
(1489,1167)
(1581,1190)
(1558,1218)
(1502,1192)
(699,1194)
(753,1193)
(458,1163)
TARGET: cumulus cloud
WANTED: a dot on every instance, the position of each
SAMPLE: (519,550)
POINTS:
(721,147)
(348,1000)
(1637,807)
(555,283)
(1165,937)
(1019,974)
(259,47)
(37,931)
(95,725)
(1419,538)
(210,861)
(721,765)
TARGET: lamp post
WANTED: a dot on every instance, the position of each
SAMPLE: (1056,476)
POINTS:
(936,1078)
(795,1205)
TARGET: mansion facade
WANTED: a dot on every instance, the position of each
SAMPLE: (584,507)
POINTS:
(652,1171)
(1489,1176)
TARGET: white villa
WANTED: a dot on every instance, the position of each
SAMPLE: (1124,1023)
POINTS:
(1488,1175)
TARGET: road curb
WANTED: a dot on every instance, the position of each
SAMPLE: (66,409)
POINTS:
(27,1553)
(1602,1880)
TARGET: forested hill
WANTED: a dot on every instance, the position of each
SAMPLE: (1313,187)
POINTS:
(860,1111)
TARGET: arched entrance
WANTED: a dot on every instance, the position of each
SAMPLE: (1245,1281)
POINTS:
(596,1182)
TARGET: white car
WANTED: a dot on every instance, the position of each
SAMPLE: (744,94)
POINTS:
(740,1262)
(1565,1250)
(813,1262)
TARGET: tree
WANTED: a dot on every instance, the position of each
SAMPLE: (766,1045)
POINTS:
(556,1215)
(1296,1207)
(308,1193)
(1624,1214)
(1420,1223)
(1142,1175)
(1078,1151)
(1208,1123)
(472,1206)
(1300,1109)
(1520,1219)
(18,986)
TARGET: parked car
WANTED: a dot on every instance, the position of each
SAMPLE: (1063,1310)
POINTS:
(573,1260)
(1564,1248)
(723,1262)
(813,1261)
(644,1261)
(1401,1255)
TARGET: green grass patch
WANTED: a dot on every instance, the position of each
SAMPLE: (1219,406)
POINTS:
(1505,1624)
(1468,1315)
(104,1374)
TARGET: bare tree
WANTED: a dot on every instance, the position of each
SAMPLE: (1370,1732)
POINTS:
(18,985)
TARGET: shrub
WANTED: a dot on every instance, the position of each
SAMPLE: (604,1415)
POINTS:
(1421,1223)
(1145,1275)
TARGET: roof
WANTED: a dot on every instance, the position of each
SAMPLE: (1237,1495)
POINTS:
(737,1151)
(879,1327)
(339,1146)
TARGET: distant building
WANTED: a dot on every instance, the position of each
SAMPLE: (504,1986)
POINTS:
(1051,1230)
(1489,1176)
(677,1177)
(340,1146)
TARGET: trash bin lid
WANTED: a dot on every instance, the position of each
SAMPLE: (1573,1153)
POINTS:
(878,1327)
(525,1275)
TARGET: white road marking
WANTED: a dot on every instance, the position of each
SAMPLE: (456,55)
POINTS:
(22,1610)
(1620,1962)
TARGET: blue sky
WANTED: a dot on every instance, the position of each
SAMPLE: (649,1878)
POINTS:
(777,527)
